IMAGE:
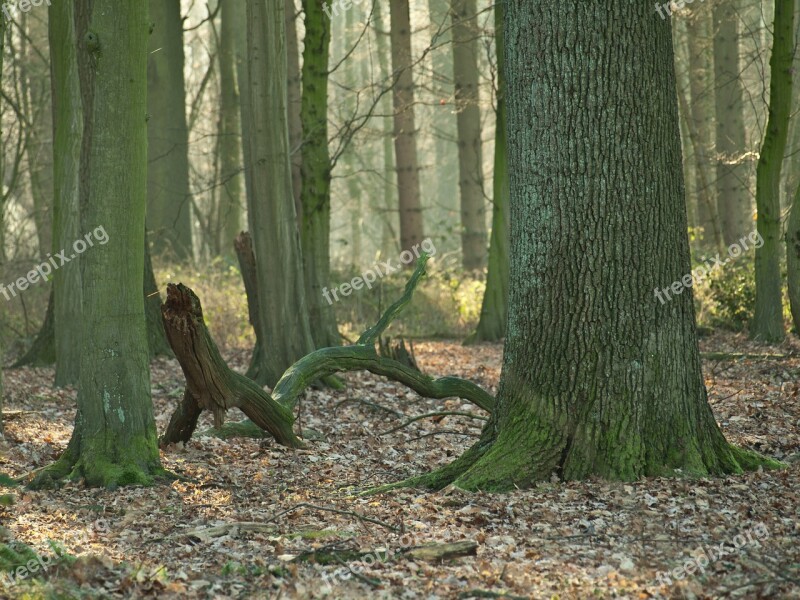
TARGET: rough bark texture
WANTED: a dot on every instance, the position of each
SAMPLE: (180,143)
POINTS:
(612,385)
(494,310)
(273,222)
(114,440)
(767,322)
(168,197)
(316,172)
(733,166)
(67,140)
(2,178)
(230,144)
(210,384)
(470,157)
(405,133)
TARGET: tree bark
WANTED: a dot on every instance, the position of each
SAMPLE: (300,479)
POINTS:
(247,266)
(767,324)
(295,98)
(230,145)
(494,310)
(316,171)
(612,385)
(470,156)
(273,222)
(168,196)
(412,230)
(114,440)
(67,141)
(733,168)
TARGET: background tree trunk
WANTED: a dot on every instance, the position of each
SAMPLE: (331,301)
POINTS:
(767,322)
(294,94)
(733,170)
(169,203)
(494,310)
(470,157)
(316,171)
(612,385)
(230,145)
(405,141)
(67,140)
(273,221)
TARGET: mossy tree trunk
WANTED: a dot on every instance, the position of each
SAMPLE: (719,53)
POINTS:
(466,36)
(273,222)
(295,98)
(316,174)
(792,183)
(230,144)
(767,324)
(412,230)
(169,206)
(494,310)
(114,440)
(67,140)
(2,178)
(612,386)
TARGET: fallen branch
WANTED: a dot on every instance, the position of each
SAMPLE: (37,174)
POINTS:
(453,413)
(212,385)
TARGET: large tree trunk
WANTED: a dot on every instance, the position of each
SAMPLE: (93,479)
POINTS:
(612,385)
(230,144)
(767,322)
(733,168)
(470,157)
(273,221)
(169,202)
(114,441)
(494,310)
(412,229)
(316,170)
(67,140)
(2,178)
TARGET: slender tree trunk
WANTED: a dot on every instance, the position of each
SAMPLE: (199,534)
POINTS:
(733,169)
(388,202)
(295,102)
(316,171)
(284,319)
(612,385)
(767,322)
(444,124)
(114,441)
(230,146)
(169,204)
(2,208)
(494,310)
(67,140)
(36,99)
(470,158)
(405,134)
(701,122)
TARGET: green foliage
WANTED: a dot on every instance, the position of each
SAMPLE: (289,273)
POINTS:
(733,292)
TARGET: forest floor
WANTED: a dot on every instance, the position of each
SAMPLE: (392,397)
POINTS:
(249,511)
